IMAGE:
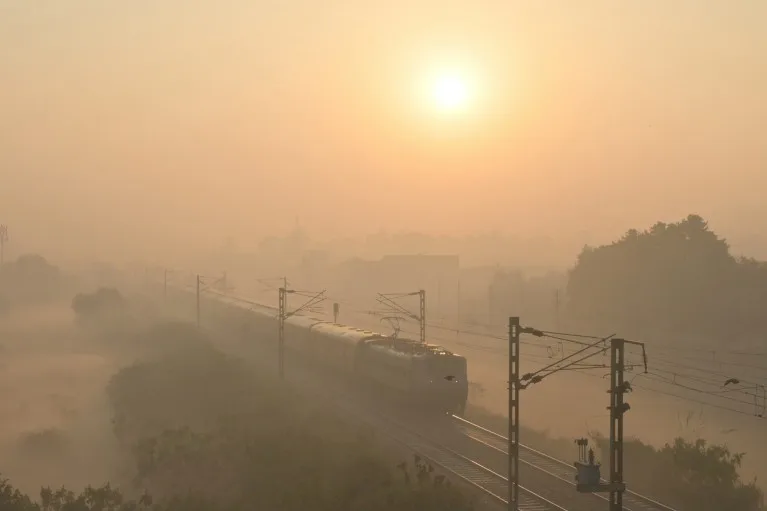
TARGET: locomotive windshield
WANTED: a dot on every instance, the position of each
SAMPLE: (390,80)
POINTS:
(444,366)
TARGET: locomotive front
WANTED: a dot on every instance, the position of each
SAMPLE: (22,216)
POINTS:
(445,383)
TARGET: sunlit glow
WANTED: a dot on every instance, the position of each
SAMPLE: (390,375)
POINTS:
(450,93)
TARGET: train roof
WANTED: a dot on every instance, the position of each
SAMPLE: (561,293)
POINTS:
(345,332)
(303,321)
(411,347)
(404,346)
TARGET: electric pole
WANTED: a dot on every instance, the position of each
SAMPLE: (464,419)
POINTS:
(588,478)
(588,475)
(283,314)
(268,283)
(197,294)
(458,312)
(388,301)
(336,310)
(201,287)
(514,388)
(3,240)
(422,318)
(617,409)
(281,332)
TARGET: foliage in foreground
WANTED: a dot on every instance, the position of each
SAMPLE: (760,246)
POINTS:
(684,474)
(689,474)
(365,485)
(206,432)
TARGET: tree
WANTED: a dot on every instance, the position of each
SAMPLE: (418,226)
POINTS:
(103,303)
(676,278)
(689,475)
(11,499)
(30,279)
(202,423)
(104,498)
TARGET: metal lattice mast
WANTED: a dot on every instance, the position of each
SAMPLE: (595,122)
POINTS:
(514,388)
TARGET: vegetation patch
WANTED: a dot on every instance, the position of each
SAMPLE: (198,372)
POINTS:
(205,431)
(682,474)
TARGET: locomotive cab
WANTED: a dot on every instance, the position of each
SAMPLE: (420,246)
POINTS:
(444,381)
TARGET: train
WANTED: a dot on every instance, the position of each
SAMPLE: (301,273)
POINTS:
(425,376)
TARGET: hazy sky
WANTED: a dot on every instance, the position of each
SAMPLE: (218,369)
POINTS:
(195,120)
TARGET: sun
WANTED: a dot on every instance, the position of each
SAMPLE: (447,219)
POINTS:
(450,92)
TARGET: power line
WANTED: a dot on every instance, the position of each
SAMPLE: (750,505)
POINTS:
(706,371)
(668,367)
(725,363)
(684,398)
(705,403)
(693,389)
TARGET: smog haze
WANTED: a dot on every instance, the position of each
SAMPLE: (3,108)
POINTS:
(146,129)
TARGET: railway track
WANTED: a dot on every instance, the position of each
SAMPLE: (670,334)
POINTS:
(487,482)
(554,467)
(491,484)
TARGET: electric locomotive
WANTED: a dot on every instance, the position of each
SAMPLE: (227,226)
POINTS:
(426,376)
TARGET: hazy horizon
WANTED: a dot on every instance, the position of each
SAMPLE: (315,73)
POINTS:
(135,128)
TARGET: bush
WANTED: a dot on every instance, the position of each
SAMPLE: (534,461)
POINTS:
(205,426)
(684,474)
(105,498)
(688,475)
(206,432)
(30,280)
(101,304)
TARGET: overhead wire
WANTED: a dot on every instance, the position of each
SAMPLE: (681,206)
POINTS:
(693,389)
(565,337)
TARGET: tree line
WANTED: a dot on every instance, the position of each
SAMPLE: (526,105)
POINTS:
(675,278)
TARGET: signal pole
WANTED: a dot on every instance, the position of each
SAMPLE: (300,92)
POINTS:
(3,240)
(514,388)
(588,479)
